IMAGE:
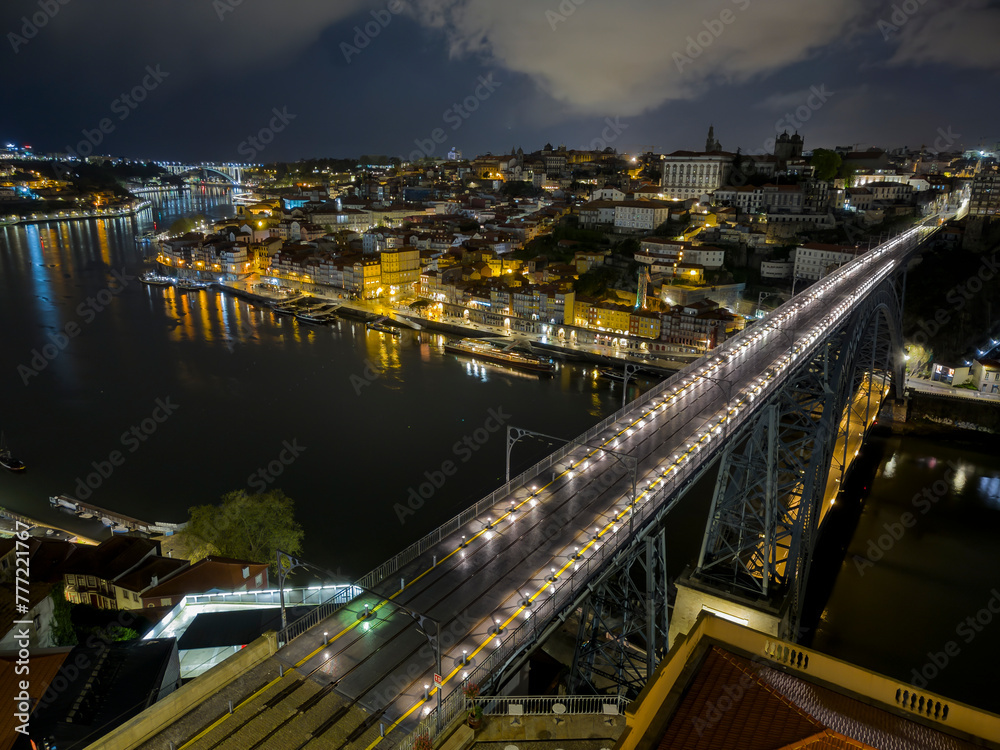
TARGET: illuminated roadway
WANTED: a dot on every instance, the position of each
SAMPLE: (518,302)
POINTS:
(504,571)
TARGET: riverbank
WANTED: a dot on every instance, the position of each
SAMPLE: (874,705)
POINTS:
(76,215)
(405,317)
(11,522)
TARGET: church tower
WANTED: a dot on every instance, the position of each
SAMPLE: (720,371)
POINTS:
(710,143)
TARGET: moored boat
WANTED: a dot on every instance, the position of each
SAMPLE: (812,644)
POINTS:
(489,353)
(153,280)
(7,459)
(383,328)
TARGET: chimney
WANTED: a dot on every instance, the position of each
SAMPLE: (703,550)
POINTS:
(155,581)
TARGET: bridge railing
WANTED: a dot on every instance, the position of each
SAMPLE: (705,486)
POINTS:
(428,542)
(317,615)
(544,610)
(562,593)
(541,705)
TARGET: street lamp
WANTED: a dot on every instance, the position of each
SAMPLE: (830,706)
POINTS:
(287,563)
(727,392)
(516,433)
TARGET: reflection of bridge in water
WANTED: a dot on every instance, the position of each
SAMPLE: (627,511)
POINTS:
(779,411)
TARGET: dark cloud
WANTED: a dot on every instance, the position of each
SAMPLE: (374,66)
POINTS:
(666,68)
(630,56)
(962,33)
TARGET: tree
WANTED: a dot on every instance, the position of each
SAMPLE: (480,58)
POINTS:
(520,189)
(826,163)
(245,527)
(63,633)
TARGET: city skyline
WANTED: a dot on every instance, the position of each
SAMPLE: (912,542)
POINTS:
(419,77)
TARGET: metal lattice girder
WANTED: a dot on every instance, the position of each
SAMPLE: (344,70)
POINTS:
(773,471)
(624,623)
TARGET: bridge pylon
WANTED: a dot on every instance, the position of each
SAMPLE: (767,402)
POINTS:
(624,622)
(774,472)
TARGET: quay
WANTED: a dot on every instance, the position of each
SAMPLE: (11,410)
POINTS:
(118,521)
(34,523)
(658,365)
(115,213)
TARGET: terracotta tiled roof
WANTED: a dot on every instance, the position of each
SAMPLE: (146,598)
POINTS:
(734,702)
(760,720)
(44,665)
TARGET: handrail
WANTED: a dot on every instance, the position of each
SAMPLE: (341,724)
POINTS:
(564,593)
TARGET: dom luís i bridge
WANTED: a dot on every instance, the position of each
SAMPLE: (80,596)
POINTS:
(580,539)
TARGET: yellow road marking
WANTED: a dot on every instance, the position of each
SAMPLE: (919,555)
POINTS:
(222,718)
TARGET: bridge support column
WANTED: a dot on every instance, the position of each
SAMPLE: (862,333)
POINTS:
(900,410)
(623,623)
(694,596)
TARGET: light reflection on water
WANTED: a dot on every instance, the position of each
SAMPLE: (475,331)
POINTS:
(245,379)
(922,558)
(989,491)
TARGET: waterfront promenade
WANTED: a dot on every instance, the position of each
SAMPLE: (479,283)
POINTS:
(100,213)
(406,316)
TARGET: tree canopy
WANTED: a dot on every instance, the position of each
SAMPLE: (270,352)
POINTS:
(245,527)
(826,163)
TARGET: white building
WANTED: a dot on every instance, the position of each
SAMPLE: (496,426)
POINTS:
(607,193)
(681,252)
(691,174)
(597,213)
(634,216)
(750,198)
(776,270)
(815,260)
(985,375)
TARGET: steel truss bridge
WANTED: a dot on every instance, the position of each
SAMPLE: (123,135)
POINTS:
(570,542)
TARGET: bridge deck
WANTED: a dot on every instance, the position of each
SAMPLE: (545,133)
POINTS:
(504,572)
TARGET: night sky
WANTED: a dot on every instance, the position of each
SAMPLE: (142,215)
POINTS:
(380,76)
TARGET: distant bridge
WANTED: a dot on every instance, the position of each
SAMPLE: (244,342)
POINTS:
(230,172)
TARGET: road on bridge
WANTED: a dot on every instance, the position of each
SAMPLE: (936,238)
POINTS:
(525,558)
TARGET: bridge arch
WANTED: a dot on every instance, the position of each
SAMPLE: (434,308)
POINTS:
(208,170)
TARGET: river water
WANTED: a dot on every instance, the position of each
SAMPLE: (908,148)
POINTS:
(198,393)
(917,534)
(344,420)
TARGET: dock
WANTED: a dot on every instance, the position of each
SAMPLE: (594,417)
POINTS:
(118,521)
(34,523)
